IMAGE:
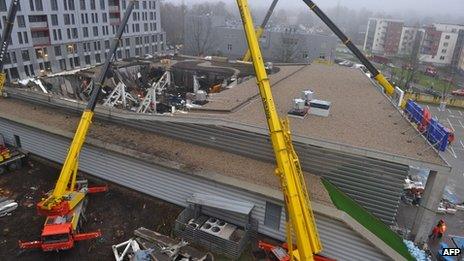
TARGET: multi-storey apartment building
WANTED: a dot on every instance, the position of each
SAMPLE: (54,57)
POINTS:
(51,36)
(442,44)
(408,39)
(383,35)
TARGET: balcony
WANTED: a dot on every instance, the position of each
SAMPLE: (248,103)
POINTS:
(38,26)
(115,21)
(113,9)
(40,41)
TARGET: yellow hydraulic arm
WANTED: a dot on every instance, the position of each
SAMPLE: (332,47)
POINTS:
(260,29)
(64,196)
(299,213)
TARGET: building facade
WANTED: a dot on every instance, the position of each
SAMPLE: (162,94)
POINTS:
(408,39)
(214,36)
(383,36)
(440,45)
(51,36)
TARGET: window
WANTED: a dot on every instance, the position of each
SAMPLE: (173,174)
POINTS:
(229,47)
(447,36)
(38,5)
(127,51)
(71,5)
(67,20)
(26,70)
(31,5)
(54,4)
(65,4)
(74,33)
(3,6)
(77,62)
(20,38)
(54,19)
(87,59)
(445,44)
(41,53)
(63,64)
(13,56)
(59,34)
(272,215)
(443,50)
(442,58)
(102,4)
(25,55)
(14,73)
(21,21)
(105,17)
(54,35)
(82,4)
(127,41)
(92,4)
(26,39)
(97,58)
(95,31)
(85,31)
(107,44)
(57,50)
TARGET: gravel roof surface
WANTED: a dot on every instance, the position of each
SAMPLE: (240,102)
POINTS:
(360,115)
(230,99)
(192,158)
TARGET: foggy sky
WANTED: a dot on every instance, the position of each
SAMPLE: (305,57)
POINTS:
(419,7)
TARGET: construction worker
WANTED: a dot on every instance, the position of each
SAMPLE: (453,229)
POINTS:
(441,228)
(438,230)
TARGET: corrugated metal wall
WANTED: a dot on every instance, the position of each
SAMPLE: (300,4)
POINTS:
(375,184)
(339,241)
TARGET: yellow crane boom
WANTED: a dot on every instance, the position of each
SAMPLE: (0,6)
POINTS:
(64,197)
(300,218)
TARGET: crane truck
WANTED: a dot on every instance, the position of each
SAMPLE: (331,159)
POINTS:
(300,218)
(64,206)
(6,37)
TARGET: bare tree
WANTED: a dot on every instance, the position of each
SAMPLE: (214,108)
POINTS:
(199,35)
(172,21)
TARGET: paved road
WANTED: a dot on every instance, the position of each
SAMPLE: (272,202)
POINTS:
(453,119)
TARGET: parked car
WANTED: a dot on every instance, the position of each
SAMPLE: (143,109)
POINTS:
(459,92)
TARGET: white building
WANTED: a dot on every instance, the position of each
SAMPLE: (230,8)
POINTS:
(383,35)
(440,43)
(408,38)
(56,35)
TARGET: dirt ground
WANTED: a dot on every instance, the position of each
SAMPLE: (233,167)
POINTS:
(117,213)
